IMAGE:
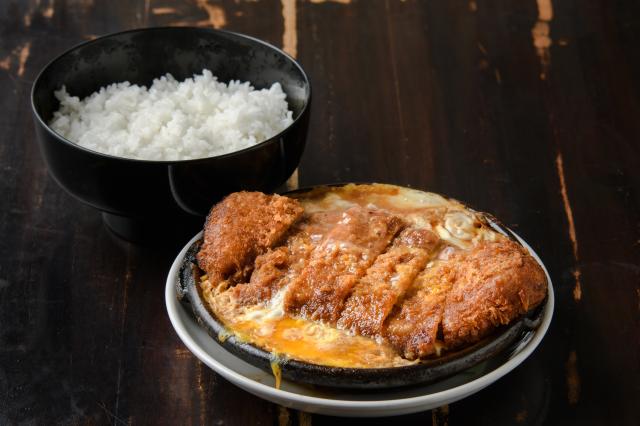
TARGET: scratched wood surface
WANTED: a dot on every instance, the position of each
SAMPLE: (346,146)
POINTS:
(526,109)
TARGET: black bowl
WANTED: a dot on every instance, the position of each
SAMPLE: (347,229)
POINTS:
(498,345)
(137,196)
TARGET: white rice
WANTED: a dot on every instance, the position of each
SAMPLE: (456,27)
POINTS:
(199,117)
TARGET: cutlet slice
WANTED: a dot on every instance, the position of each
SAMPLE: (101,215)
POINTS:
(412,327)
(337,264)
(278,267)
(386,281)
(269,274)
(496,282)
(241,227)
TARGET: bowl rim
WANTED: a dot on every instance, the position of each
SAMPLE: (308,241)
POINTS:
(40,120)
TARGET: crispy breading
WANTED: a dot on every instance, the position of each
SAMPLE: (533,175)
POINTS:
(496,282)
(241,227)
(269,274)
(279,266)
(363,269)
(470,294)
(412,327)
(337,264)
(386,281)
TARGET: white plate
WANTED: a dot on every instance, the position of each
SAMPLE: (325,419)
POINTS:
(339,402)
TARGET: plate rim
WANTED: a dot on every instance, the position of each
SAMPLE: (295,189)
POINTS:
(273,394)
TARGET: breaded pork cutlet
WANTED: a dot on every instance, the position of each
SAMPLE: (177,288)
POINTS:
(412,327)
(496,282)
(386,281)
(338,263)
(467,296)
(241,227)
(332,272)
(277,267)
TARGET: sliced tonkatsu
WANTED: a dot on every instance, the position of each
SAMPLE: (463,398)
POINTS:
(338,262)
(386,281)
(276,268)
(495,283)
(362,276)
(241,227)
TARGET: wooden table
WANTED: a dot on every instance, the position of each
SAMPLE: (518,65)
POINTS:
(529,110)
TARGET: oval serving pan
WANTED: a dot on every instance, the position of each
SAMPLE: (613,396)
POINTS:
(425,371)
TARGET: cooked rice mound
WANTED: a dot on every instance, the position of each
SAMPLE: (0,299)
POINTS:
(196,118)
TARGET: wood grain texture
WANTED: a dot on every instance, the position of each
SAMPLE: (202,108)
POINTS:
(526,109)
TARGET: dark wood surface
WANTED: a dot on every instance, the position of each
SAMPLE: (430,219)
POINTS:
(529,110)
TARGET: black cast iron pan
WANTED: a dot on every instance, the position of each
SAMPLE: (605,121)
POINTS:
(425,371)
